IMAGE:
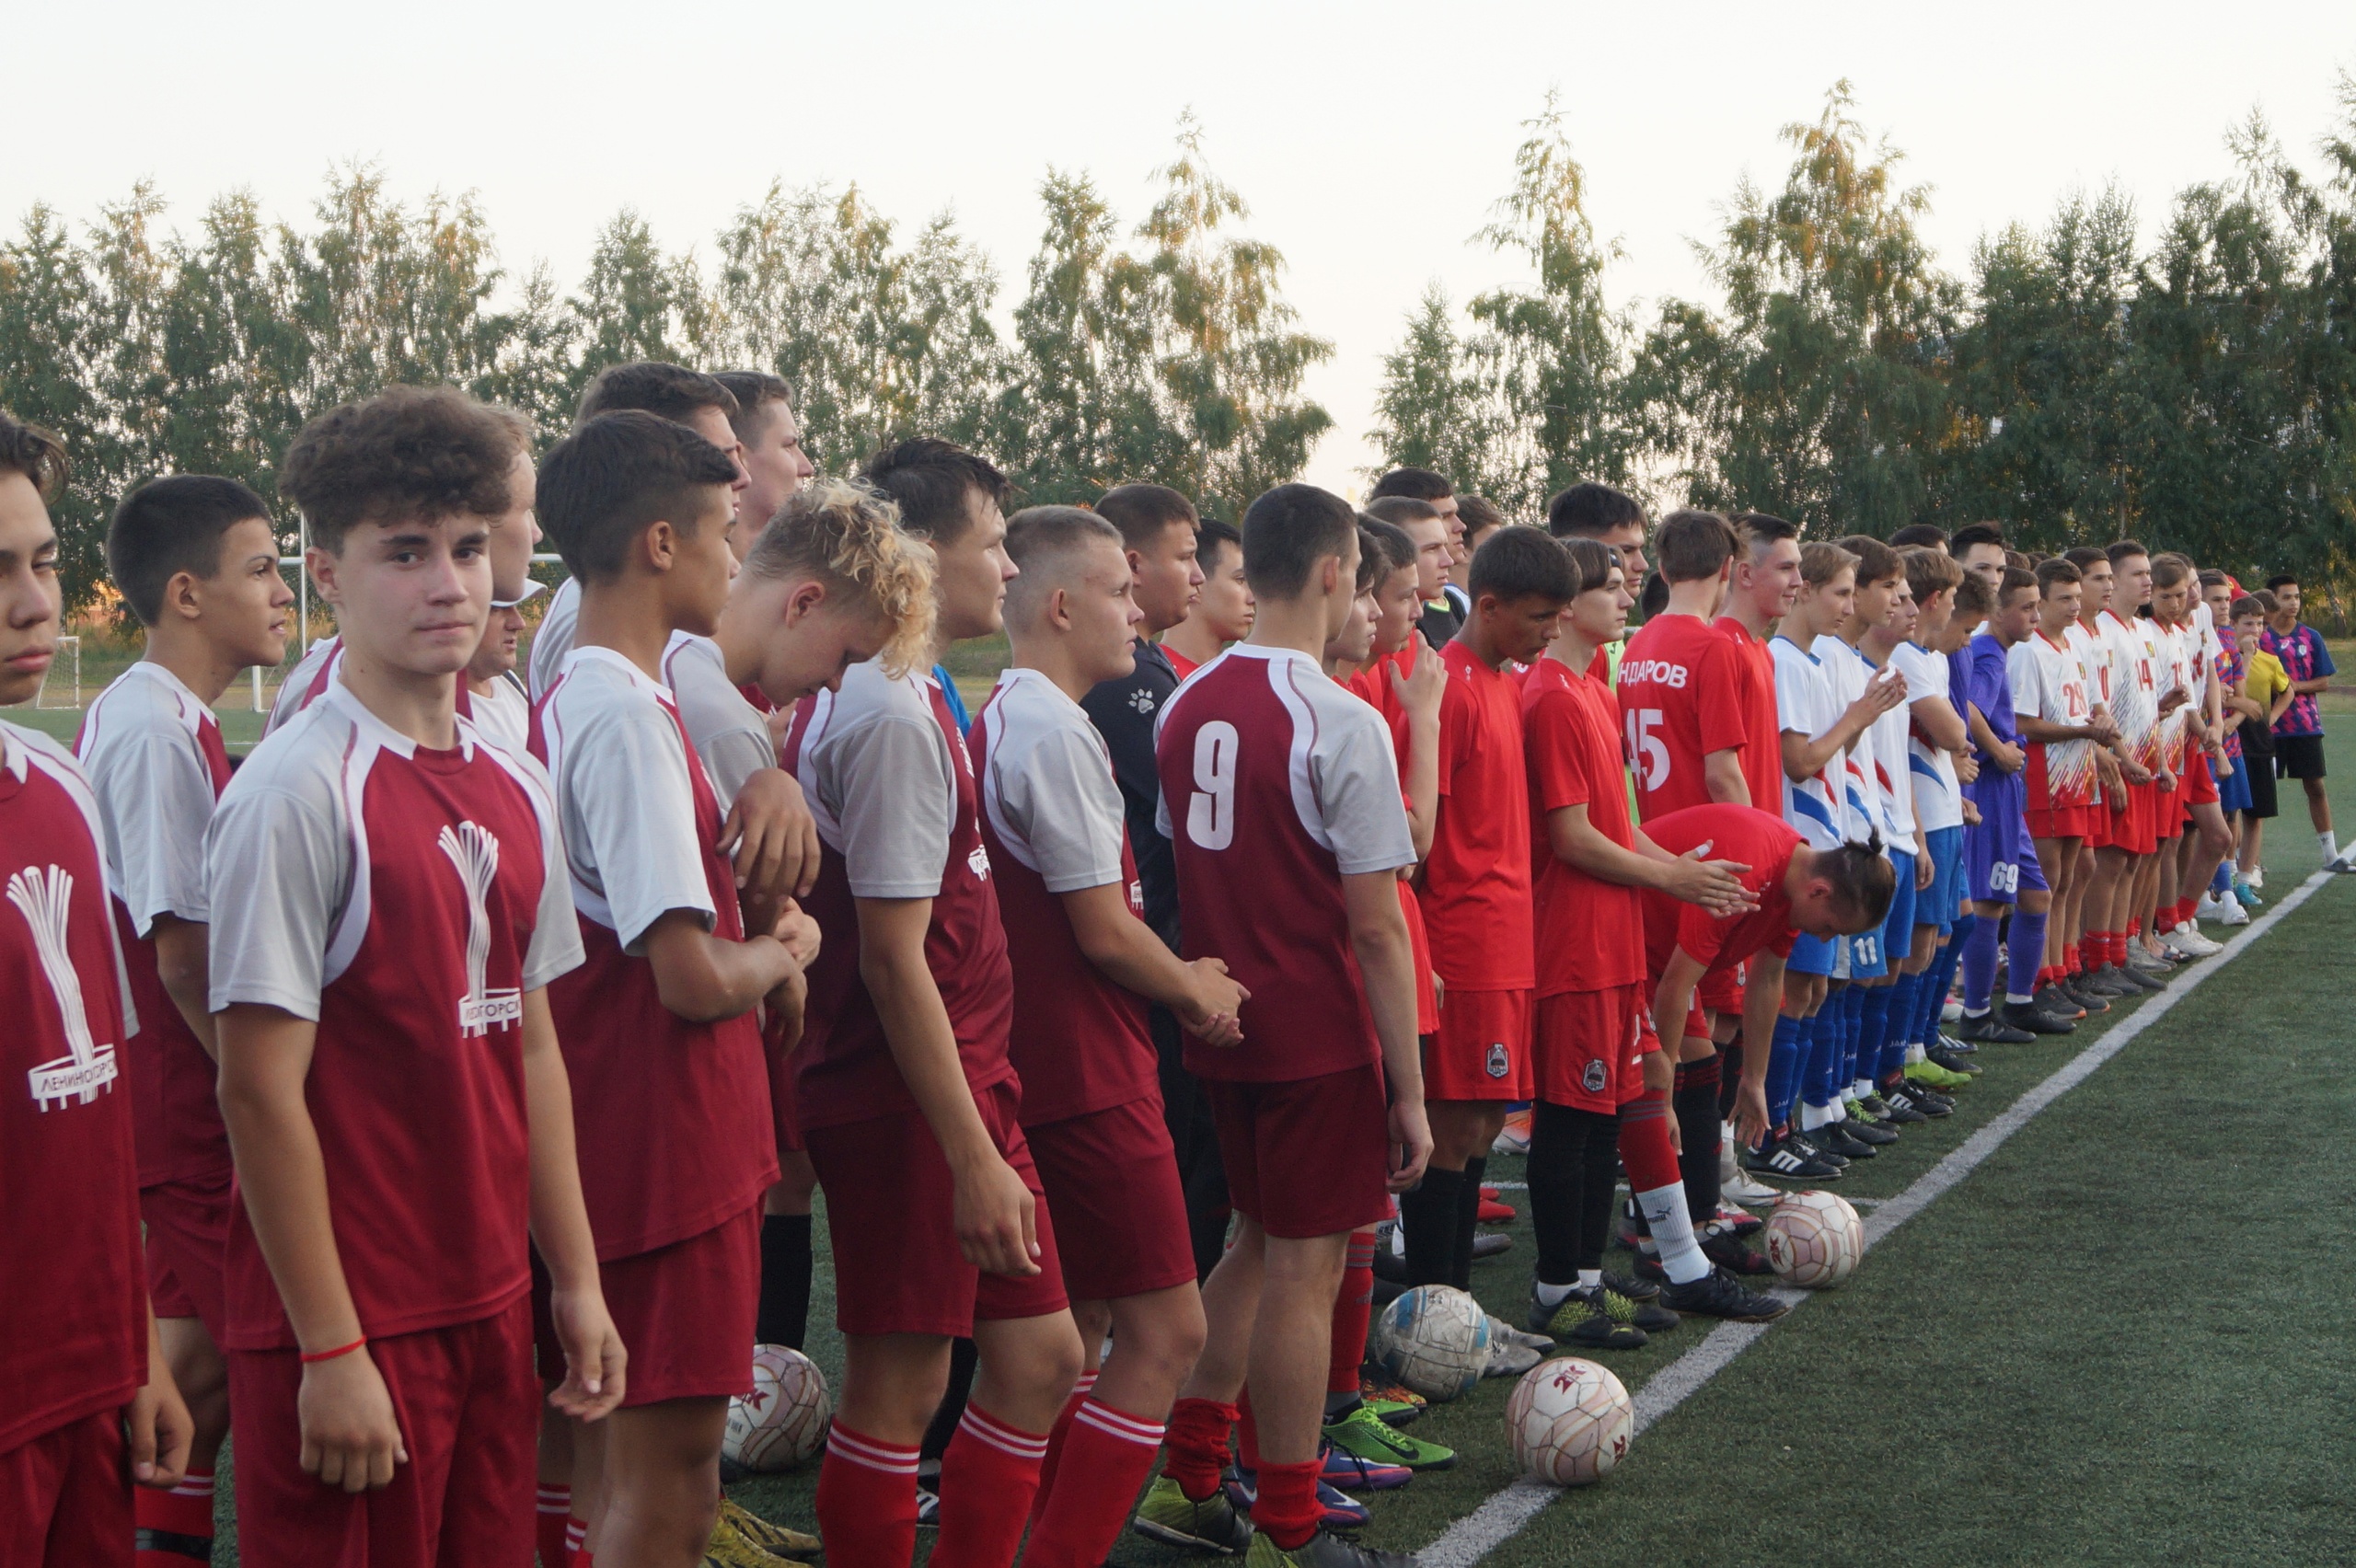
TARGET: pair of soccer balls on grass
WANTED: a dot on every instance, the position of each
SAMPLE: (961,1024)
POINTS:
(1570,1421)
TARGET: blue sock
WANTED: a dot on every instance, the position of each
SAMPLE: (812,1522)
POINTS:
(2223,882)
(1943,967)
(1979,964)
(1904,1006)
(1784,1063)
(1823,1040)
(1873,1027)
(1853,1028)
(2027,950)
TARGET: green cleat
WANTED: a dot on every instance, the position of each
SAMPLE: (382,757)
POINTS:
(1323,1549)
(1212,1525)
(1364,1435)
(1592,1319)
(1932,1074)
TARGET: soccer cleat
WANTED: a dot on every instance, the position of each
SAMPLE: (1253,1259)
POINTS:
(929,1501)
(1395,1404)
(1734,1256)
(1494,1213)
(1930,1074)
(1718,1294)
(1938,1056)
(1515,1138)
(1739,1222)
(1346,1470)
(2188,938)
(726,1549)
(1341,1512)
(1871,1105)
(1212,1525)
(1489,1243)
(1922,1101)
(1900,1115)
(1363,1432)
(1816,1147)
(2257,876)
(2232,913)
(2246,895)
(1989,1029)
(1789,1159)
(773,1539)
(1511,1353)
(2143,961)
(1868,1129)
(1323,1549)
(1951,1011)
(1643,1292)
(1740,1188)
(1835,1138)
(1595,1320)
(2137,984)
(2036,1018)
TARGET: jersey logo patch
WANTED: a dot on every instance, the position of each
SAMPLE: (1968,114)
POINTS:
(1592,1076)
(473,851)
(1500,1063)
(1141,700)
(979,862)
(46,898)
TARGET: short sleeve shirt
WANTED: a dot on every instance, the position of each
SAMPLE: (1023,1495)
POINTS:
(404,900)
(1815,805)
(1892,781)
(2230,668)
(1123,712)
(1991,691)
(1278,782)
(1766,845)
(1476,880)
(1845,674)
(1680,698)
(1938,798)
(552,638)
(2303,658)
(1589,931)
(1762,746)
(303,684)
(2134,691)
(732,737)
(2049,681)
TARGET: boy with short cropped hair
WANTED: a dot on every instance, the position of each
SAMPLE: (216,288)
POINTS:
(2298,734)
(91,1404)
(770,437)
(1938,759)
(1611,517)
(388,904)
(1221,610)
(2054,711)
(2267,688)
(196,559)
(1435,533)
(498,702)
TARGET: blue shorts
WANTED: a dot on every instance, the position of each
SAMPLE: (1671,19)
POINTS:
(2233,790)
(1871,954)
(1812,955)
(1939,904)
(1998,856)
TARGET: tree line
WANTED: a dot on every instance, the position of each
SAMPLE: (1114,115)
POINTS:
(2199,391)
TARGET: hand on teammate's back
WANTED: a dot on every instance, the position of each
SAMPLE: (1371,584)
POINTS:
(771,838)
(1715,885)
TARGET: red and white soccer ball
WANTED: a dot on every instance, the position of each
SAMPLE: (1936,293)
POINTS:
(782,1423)
(1570,1422)
(1434,1339)
(1814,1240)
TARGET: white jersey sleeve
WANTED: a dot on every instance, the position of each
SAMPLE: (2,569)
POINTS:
(155,792)
(1354,776)
(878,769)
(2025,675)
(298,681)
(1800,690)
(552,638)
(1049,789)
(731,735)
(556,946)
(278,859)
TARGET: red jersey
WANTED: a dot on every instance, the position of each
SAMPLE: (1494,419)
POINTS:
(1748,837)
(1276,783)
(671,1116)
(153,751)
(1051,815)
(1680,698)
(1476,880)
(1762,746)
(889,780)
(403,900)
(1179,662)
(1373,683)
(1589,931)
(73,1305)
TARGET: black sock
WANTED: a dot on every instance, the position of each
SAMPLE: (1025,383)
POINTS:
(1558,1195)
(1468,1220)
(1427,1219)
(785,1281)
(963,1358)
(1696,1104)
(1730,1076)
(1602,1165)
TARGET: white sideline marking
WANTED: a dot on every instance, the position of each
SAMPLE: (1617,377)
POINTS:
(1504,1513)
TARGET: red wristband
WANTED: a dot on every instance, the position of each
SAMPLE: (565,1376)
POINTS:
(309,1357)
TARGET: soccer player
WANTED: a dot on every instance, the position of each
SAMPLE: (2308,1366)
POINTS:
(2228,667)
(2268,687)
(1920,536)
(91,1404)
(1938,756)
(2298,734)
(1220,612)
(1480,518)
(908,1098)
(1432,491)
(2134,708)
(2055,713)
(1476,894)
(1432,531)
(388,904)
(2001,859)
(1595,1061)
(1764,585)
(1084,961)
(196,559)
(1281,794)
(2095,887)
(1978,548)
(1681,681)
(768,445)
(498,700)
(2196,840)
(1613,518)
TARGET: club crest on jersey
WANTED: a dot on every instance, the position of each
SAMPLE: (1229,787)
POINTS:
(474,853)
(1500,1063)
(1141,700)
(45,896)
(979,862)
(1593,1077)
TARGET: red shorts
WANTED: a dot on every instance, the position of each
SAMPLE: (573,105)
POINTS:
(2102,824)
(66,1497)
(469,1412)
(1112,1177)
(1720,992)
(891,1218)
(1419,939)
(686,1313)
(1482,1049)
(1306,1156)
(2139,835)
(188,1231)
(2061,821)
(2168,815)
(1588,1046)
(2199,782)
(784,1111)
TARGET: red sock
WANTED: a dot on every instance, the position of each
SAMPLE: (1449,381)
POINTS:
(2135,927)
(2185,909)
(576,1550)
(555,1512)
(1247,1432)
(2073,963)
(2118,947)
(1351,1311)
(1107,1455)
(2092,947)
(1197,1440)
(1287,1509)
(867,1502)
(176,1526)
(1644,1144)
(1056,1435)
(988,1476)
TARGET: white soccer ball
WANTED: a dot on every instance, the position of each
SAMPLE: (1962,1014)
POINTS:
(1435,1340)
(782,1423)
(1814,1240)
(1570,1422)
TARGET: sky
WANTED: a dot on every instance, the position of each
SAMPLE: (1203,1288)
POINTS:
(1370,139)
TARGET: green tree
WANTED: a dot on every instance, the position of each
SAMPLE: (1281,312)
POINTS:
(1438,409)
(47,339)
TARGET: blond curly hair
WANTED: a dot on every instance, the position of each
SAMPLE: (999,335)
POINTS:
(848,536)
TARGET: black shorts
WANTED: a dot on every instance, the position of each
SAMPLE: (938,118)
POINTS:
(2299,756)
(2259,772)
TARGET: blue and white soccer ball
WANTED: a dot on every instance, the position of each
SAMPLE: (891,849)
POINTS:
(1434,1340)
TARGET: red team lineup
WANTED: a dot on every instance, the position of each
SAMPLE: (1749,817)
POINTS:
(432,1103)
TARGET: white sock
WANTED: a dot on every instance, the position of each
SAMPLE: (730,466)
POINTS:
(2330,846)
(1916,1052)
(1859,1088)
(1814,1116)
(1591,1279)
(1672,1230)
(1552,1294)
(2014,1000)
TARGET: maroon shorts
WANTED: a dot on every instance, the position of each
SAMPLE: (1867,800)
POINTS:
(187,1232)
(1589,1046)
(469,1412)
(1112,1177)
(1306,1156)
(66,1497)
(1482,1049)
(2199,782)
(686,1313)
(891,1217)
(2061,821)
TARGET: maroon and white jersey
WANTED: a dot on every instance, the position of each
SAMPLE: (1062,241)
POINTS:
(403,899)
(1052,817)
(153,751)
(1276,784)
(305,682)
(892,786)
(671,1116)
(731,735)
(72,1291)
